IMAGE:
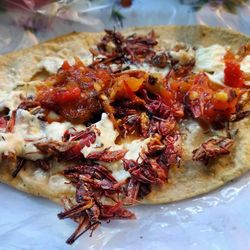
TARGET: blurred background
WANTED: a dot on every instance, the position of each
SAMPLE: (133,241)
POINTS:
(26,22)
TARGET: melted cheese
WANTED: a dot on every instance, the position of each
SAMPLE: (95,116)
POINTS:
(210,59)
(29,130)
(245,64)
(11,143)
(148,68)
(55,130)
(184,57)
(11,99)
(121,174)
(87,58)
(106,137)
(135,148)
(217,77)
(51,64)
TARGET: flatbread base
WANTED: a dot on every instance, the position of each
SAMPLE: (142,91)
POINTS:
(190,179)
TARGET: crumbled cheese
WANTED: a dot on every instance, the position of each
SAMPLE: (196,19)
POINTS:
(106,139)
(86,58)
(245,64)
(11,143)
(51,64)
(135,148)
(217,77)
(11,99)
(184,57)
(29,130)
(55,130)
(121,174)
(210,59)
(148,68)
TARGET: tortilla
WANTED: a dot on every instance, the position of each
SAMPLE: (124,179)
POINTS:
(190,179)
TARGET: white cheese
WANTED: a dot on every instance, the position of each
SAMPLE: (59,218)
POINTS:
(245,64)
(210,59)
(121,174)
(51,64)
(148,68)
(108,133)
(217,77)
(11,99)
(86,58)
(184,57)
(135,148)
(40,175)
(30,130)
(105,139)
(27,125)
(55,130)
(11,143)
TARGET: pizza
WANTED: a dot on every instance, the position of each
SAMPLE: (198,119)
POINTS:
(99,122)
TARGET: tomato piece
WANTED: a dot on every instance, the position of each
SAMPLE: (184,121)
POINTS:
(159,89)
(133,83)
(180,88)
(73,92)
(229,56)
(211,104)
(65,65)
(233,75)
(68,95)
(104,76)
